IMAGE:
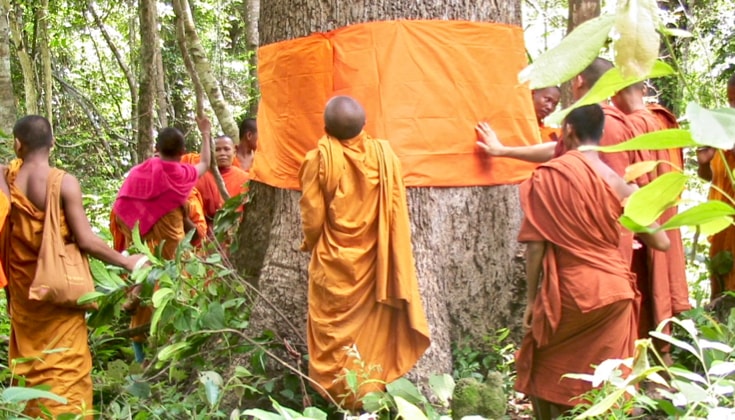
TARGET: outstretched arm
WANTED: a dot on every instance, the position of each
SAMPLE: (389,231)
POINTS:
(489,143)
(88,241)
(205,155)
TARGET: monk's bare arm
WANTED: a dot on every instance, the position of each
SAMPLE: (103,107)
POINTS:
(205,155)
(313,211)
(490,144)
(534,259)
(88,241)
(704,158)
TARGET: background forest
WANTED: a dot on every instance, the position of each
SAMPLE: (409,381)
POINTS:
(108,74)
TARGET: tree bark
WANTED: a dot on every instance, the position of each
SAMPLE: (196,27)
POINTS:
(463,238)
(161,95)
(45,53)
(17,35)
(7,96)
(204,71)
(251,14)
(147,86)
(181,10)
(580,11)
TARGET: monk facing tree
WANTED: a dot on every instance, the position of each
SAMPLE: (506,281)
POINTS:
(581,292)
(365,313)
(36,326)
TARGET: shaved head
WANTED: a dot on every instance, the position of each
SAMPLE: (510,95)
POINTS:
(34,132)
(344,118)
(594,71)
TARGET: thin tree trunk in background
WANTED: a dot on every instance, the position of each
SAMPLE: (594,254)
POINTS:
(132,58)
(204,71)
(464,239)
(17,36)
(180,22)
(7,96)
(45,53)
(161,95)
(252,14)
(580,11)
(147,86)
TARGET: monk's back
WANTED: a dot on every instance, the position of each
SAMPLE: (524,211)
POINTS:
(31,181)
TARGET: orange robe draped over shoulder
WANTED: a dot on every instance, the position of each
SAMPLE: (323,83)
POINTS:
(235,180)
(584,312)
(723,240)
(363,291)
(661,275)
(40,326)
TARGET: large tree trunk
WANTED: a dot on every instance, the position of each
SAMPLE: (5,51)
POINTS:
(147,86)
(7,96)
(580,11)
(464,239)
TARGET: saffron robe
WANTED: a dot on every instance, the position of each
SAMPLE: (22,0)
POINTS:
(725,239)
(4,210)
(235,180)
(37,327)
(661,275)
(363,291)
(586,298)
(549,133)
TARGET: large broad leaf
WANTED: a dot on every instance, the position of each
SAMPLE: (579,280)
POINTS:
(639,169)
(443,387)
(702,214)
(714,127)
(408,411)
(608,85)
(212,382)
(645,205)
(656,140)
(636,41)
(575,52)
(404,388)
(16,394)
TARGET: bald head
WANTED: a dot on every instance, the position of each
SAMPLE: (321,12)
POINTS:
(34,133)
(344,118)
(595,70)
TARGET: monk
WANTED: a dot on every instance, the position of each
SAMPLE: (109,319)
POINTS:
(39,326)
(248,144)
(155,196)
(714,166)
(661,277)
(581,293)
(235,179)
(363,293)
(545,101)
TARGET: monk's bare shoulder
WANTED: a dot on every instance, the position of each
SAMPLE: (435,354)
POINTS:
(615,181)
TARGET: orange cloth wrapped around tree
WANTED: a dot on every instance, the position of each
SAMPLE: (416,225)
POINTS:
(723,241)
(584,310)
(363,291)
(37,327)
(661,276)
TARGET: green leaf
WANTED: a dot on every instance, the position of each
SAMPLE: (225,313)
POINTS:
(686,374)
(715,226)
(139,245)
(404,388)
(608,85)
(645,205)
(89,298)
(161,295)
(573,54)
(214,317)
(315,413)
(443,387)
(638,169)
(693,392)
(212,382)
(715,128)
(171,350)
(408,411)
(16,394)
(701,214)
(351,379)
(260,414)
(675,341)
(101,275)
(681,33)
(374,401)
(656,140)
(721,368)
(139,389)
(632,226)
(637,44)
(604,405)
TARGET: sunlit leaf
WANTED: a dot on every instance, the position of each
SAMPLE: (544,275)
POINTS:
(443,387)
(701,214)
(261,414)
(656,140)
(89,298)
(687,374)
(603,405)
(675,341)
(715,226)
(608,85)
(645,205)
(693,392)
(721,368)
(15,394)
(573,54)
(715,128)
(715,345)
(680,33)
(408,411)
(636,41)
(171,350)
(639,169)
(160,295)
